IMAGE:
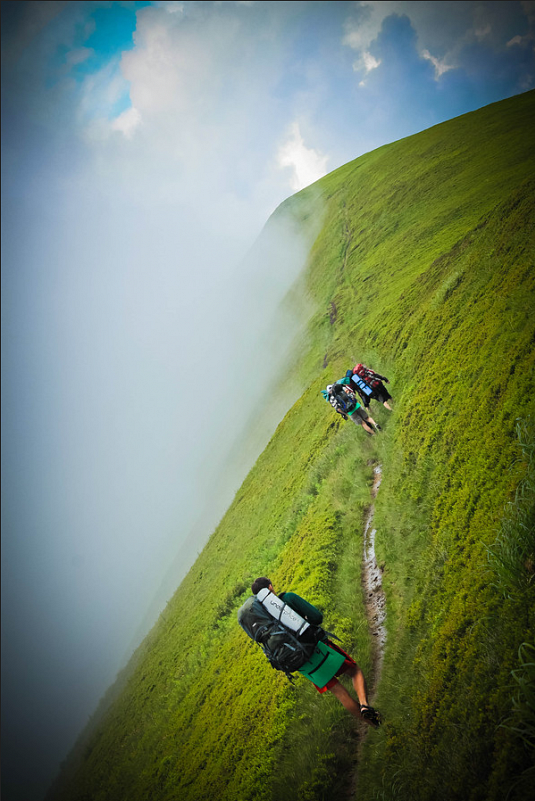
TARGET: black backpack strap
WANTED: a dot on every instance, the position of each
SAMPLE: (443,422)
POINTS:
(330,636)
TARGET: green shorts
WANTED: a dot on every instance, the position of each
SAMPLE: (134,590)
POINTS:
(323,665)
(358,416)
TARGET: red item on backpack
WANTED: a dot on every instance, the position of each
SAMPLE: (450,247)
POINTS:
(367,375)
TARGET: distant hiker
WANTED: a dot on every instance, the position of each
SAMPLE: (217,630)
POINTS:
(288,629)
(343,400)
(369,385)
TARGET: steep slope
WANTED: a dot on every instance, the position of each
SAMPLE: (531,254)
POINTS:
(423,268)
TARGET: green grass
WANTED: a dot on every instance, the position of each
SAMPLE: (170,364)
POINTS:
(423,267)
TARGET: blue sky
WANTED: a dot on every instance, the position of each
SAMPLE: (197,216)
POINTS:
(144,146)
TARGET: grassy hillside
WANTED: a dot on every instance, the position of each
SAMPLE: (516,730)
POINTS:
(424,269)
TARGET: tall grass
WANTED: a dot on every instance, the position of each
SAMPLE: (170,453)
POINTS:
(512,555)
(512,559)
(521,721)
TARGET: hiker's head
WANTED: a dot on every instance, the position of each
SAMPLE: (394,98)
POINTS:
(259,584)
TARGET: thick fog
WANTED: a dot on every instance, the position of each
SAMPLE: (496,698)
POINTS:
(138,347)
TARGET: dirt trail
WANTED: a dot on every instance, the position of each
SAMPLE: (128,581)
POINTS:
(375,603)
(374,597)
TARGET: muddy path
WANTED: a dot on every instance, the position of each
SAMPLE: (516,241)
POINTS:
(375,605)
(374,597)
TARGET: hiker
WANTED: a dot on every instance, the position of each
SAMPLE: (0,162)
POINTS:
(261,617)
(369,385)
(343,400)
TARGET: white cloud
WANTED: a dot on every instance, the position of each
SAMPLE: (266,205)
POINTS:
(362,30)
(437,31)
(366,62)
(440,65)
(364,26)
(370,63)
(441,28)
(204,119)
(521,40)
(307,164)
(127,122)
(169,67)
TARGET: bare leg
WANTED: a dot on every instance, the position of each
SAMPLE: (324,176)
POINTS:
(365,712)
(385,404)
(343,696)
(359,684)
(359,420)
(371,420)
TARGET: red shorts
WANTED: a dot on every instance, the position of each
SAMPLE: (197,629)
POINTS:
(348,662)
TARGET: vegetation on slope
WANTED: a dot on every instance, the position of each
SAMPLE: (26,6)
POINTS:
(423,268)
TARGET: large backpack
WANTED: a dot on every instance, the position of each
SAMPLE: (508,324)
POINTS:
(285,649)
(342,398)
(370,377)
(363,387)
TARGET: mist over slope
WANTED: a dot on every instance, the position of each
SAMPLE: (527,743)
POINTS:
(424,269)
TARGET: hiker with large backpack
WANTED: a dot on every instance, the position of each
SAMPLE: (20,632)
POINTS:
(288,629)
(369,385)
(343,400)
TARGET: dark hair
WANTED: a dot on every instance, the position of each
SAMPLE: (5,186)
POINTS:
(259,584)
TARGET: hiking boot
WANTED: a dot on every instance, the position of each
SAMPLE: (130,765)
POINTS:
(370,715)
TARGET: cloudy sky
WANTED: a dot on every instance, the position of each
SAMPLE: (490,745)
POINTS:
(144,146)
